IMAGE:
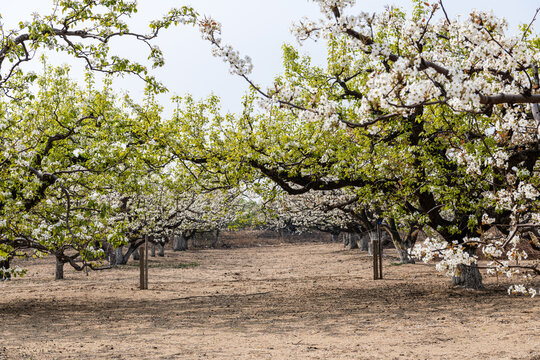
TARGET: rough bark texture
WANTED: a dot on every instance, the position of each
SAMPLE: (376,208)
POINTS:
(111,254)
(121,258)
(216,238)
(59,273)
(180,243)
(364,242)
(350,241)
(119,255)
(469,278)
(353,244)
(404,256)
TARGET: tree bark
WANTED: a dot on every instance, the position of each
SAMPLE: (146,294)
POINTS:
(350,240)
(111,256)
(364,243)
(403,245)
(153,250)
(353,244)
(180,243)
(216,238)
(404,256)
(136,255)
(161,250)
(119,255)
(121,258)
(469,277)
(59,273)
(346,239)
(335,237)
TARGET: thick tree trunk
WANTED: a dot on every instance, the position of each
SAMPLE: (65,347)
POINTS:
(350,241)
(403,246)
(153,250)
(404,256)
(136,255)
(364,243)
(335,237)
(353,244)
(121,258)
(216,238)
(119,255)
(59,273)
(469,278)
(180,243)
(111,256)
(161,251)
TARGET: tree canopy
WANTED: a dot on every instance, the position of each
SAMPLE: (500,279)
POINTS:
(432,121)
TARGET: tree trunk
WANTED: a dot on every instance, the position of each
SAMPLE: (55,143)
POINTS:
(136,255)
(350,240)
(335,237)
(111,256)
(403,245)
(364,243)
(161,251)
(119,255)
(59,274)
(404,256)
(469,278)
(121,258)
(180,243)
(216,239)
(153,250)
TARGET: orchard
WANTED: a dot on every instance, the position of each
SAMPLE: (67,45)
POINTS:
(411,129)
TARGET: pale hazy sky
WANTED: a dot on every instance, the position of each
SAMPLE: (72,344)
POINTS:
(256,28)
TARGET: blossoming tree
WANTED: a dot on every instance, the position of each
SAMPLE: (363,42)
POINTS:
(434,118)
(83,29)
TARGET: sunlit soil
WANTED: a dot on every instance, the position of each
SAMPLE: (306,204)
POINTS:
(289,301)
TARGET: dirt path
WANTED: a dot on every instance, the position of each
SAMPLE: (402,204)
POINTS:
(305,301)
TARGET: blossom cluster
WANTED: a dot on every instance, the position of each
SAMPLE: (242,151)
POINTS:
(451,256)
(520,289)
(210,30)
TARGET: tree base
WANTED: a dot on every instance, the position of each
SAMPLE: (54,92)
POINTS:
(405,257)
(180,243)
(469,278)
(59,273)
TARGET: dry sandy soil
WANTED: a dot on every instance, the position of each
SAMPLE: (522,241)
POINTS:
(292,301)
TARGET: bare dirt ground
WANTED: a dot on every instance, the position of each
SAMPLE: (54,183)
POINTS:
(289,301)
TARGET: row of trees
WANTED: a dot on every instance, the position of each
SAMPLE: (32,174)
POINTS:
(84,172)
(432,123)
(418,122)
